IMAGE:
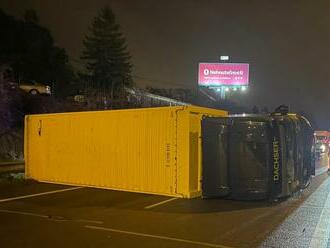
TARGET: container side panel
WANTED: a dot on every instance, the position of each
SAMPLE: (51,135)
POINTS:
(183,153)
(208,111)
(154,150)
(125,150)
(194,156)
(26,157)
(36,155)
(193,161)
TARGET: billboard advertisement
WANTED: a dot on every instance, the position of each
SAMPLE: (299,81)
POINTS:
(223,74)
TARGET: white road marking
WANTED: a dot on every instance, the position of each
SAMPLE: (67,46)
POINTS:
(90,221)
(23,213)
(51,217)
(157,237)
(321,234)
(160,203)
(38,194)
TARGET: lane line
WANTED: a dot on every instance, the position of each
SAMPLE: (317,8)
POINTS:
(160,203)
(23,213)
(158,237)
(50,217)
(90,221)
(39,194)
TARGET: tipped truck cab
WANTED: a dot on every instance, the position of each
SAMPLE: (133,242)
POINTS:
(268,156)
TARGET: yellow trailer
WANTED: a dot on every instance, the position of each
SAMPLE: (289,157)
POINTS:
(150,150)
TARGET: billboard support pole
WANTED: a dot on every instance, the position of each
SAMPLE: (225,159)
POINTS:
(223,58)
(222,93)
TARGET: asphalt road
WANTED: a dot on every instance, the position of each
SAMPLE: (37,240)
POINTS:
(47,215)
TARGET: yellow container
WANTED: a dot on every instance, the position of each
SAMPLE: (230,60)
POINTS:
(151,150)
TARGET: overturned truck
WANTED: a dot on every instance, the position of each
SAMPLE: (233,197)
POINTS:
(256,156)
(182,151)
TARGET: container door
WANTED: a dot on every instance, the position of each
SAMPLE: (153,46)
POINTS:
(214,157)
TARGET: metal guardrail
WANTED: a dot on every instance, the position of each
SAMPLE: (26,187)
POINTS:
(15,166)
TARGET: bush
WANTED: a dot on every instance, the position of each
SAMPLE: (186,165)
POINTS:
(5,113)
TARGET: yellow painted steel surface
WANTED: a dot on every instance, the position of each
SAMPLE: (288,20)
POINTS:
(152,150)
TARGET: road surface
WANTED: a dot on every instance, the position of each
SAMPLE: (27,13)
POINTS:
(36,214)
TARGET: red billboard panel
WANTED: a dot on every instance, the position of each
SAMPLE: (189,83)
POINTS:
(223,74)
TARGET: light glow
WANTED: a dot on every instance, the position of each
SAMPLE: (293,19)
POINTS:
(224,57)
(322,147)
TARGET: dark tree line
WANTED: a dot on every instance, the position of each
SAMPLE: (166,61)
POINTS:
(29,49)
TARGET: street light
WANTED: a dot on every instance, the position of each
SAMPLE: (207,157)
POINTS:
(224,58)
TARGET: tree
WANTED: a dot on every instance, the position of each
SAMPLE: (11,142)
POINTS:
(265,110)
(105,52)
(5,113)
(255,110)
(31,16)
(29,50)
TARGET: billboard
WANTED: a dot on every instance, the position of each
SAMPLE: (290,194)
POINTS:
(223,74)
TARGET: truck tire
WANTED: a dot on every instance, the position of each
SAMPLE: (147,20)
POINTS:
(34,92)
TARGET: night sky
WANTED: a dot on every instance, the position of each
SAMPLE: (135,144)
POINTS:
(287,43)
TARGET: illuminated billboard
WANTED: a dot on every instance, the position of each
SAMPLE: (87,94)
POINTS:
(223,74)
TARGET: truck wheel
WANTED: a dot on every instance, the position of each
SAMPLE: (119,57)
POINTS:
(34,92)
